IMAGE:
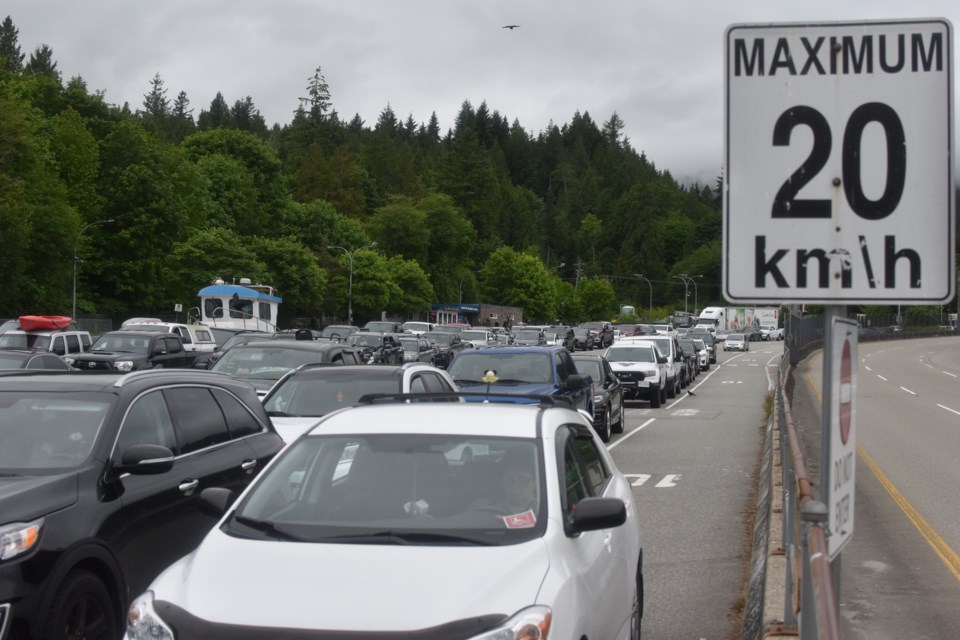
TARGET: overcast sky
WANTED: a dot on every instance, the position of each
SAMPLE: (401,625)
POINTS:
(659,65)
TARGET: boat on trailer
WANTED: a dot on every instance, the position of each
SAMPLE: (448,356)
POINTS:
(243,306)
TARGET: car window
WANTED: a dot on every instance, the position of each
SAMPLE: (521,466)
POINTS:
(58,346)
(73,343)
(326,485)
(147,421)
(417,384)
(576,486)
(240,421)
(596,474)
(200,421)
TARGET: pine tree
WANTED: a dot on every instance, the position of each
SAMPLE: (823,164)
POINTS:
(217,118)
(317,102)
(41,62)
(155,104)
(612,129)
(10,57)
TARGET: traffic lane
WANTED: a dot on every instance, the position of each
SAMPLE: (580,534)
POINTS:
(928,367)
(893,584)
(691,464)
(912,439)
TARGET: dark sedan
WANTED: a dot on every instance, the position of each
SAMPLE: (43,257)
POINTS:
(263,363)
(607,394)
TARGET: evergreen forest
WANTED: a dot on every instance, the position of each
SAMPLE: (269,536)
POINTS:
(141,206)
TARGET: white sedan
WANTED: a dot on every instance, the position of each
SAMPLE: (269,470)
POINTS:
(472,521)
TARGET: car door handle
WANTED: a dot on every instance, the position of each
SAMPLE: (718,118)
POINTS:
(187,486)
(248,465)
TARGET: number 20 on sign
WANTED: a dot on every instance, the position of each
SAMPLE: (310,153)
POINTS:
(839,174)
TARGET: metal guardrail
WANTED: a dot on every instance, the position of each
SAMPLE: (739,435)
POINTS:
(814,613)
(804,537)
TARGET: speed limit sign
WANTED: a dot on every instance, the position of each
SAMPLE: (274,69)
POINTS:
(838,184)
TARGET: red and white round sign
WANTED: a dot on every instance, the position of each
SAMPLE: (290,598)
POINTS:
(846,392)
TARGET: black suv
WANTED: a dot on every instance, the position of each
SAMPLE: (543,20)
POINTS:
(100,478)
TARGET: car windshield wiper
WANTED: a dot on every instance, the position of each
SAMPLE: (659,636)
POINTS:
(266,527)
(391,536)
(283,414)
(462,382)
(512,381)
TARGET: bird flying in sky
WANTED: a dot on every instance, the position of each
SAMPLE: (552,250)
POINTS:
(510,26)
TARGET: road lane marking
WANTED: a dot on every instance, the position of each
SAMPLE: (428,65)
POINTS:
(627,435)
(882,378)
(949,409)
(867,368)
(948,555)
(941,548)
(669,480)
(952,375)
(908,391)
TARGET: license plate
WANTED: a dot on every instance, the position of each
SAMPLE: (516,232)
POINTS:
(643,383)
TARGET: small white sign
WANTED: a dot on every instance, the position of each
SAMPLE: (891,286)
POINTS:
(178,308)
(839,178)
(842,456)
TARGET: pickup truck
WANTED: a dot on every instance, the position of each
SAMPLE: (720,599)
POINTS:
(771,332)
(135,350)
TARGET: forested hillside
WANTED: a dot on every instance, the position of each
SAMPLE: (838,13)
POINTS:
(158,199)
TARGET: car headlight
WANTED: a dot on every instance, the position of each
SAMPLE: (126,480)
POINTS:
(70,361)
(18,538)
(598,399)
(143,623)
(533,623)
(124,365)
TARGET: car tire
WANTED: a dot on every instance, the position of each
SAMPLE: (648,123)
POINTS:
(656,400)
(82,608)
(636,615)
(618,425)
(604,430)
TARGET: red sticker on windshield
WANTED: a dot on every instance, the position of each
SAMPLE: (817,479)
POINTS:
(523,520)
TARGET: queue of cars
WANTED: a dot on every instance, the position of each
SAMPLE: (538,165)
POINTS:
(107,480)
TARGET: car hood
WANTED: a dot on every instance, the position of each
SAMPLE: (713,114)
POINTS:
(107,356)
(351,586)
(24,498)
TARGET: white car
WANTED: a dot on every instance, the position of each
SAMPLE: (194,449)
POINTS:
(736,342)
(300,398)
(641,369)
(485,521)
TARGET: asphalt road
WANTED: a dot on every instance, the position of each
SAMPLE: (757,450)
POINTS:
(900,572)
(692,464)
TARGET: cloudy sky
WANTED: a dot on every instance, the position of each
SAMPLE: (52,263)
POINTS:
(659,65)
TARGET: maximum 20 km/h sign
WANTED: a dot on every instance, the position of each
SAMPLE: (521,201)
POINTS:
(839,179)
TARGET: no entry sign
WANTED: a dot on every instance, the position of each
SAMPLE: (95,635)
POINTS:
(842,454)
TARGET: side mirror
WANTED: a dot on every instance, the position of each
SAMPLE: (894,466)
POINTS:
(145,459)
(576,381)
(661,360)
(593,514)
(214,501)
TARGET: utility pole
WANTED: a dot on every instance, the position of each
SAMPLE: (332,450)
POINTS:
(350,276)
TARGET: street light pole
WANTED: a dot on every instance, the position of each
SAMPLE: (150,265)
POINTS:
(350,276)
(76,259)
(686,292)
(637,275)
(695,294)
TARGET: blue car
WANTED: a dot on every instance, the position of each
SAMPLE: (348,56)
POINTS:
(522,370)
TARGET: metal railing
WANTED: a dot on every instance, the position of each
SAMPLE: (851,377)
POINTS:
(804,532)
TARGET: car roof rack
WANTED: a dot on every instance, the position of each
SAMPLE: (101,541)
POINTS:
(541,400)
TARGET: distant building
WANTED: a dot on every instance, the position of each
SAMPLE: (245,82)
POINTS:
(477,315)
